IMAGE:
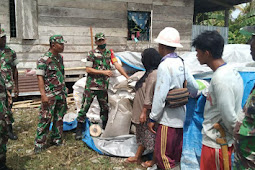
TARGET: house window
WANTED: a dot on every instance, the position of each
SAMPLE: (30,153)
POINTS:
(139,26)
(12,18)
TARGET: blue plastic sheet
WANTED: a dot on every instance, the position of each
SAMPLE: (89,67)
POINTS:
(192,137)
(130,65)
(67,126)
(88,139)
(248,83)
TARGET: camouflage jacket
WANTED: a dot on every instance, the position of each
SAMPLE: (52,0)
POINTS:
(52,70)
(247,127)
(3,99)
(98,61)
(8,61)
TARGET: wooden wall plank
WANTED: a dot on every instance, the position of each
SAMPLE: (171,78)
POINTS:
(4,6)
(29,18)
(63,21)
(30,57)
(173,11)
(176,24)
(169,17)
(80,13)
(4,20)
(182,31)
(176,3)
(81,31)
(32,64)
(139,7)
(86,4)
(77,40)
(135,1)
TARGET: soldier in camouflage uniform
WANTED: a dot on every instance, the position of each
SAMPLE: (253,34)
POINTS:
(3,126)
(98,67)
(9,73)
(50,74)
(245,127)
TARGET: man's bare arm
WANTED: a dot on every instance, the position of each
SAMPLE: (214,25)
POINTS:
(94,71)
(120,69)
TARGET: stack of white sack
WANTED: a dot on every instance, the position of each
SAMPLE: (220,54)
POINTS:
(121,94)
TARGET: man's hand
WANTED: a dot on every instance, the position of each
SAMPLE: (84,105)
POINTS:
(45,100)
(151,126)
(16,92)
(143,117)
(108,73)
(9,96)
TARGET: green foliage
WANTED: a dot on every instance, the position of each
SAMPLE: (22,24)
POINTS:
(246,18)
(211,18)
(249,18)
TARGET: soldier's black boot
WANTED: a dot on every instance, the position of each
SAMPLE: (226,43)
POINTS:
(78,135)
(2,164)
(10,133)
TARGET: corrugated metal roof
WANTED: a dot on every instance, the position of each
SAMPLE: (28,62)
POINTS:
(28,85)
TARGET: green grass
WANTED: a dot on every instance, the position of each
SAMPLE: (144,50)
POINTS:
(73,154)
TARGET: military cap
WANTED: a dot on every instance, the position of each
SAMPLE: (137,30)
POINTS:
(57,38)
(99,36)
(2,32)
(248,30)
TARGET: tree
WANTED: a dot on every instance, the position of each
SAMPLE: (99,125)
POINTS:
(245,18)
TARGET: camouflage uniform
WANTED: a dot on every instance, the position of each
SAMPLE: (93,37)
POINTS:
(8,61)
(96,85)
(3,125)
(245,136)
(52,70)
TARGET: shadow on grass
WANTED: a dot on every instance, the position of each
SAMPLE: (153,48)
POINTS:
(18,162)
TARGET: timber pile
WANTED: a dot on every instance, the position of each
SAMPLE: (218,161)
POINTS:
(37,103)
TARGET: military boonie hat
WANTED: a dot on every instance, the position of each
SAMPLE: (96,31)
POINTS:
(99,36)
(57,38)
(248,30)
(2,33)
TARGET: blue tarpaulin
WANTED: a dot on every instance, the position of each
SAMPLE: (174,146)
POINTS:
(86,134)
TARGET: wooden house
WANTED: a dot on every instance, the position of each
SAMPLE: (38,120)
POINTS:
(129,25)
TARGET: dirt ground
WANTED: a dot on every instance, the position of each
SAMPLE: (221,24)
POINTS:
(73,154)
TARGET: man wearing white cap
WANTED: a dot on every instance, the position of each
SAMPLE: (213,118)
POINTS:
(168,146)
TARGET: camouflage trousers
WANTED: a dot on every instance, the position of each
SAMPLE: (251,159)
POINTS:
(88,96)
(9,115)
(54,112)
(3,133)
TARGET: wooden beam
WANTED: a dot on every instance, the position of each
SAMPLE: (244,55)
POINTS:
(221,3)
(226,23)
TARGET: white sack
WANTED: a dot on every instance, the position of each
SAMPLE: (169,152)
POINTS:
(119,118)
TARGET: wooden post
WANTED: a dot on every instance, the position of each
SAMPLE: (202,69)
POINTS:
(91,35)
(226,17)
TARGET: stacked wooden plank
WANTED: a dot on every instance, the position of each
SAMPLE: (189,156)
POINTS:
(37,102)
